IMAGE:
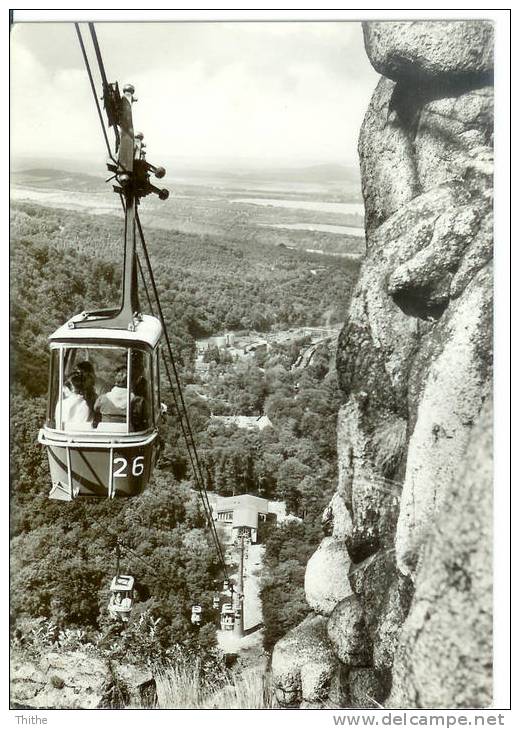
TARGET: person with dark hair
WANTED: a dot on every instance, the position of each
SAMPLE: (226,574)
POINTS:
(140,410)
(111,407)
(89,382)
(75,411)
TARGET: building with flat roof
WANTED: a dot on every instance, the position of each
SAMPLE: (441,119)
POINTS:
(241,515)
(220,341)
(248,422)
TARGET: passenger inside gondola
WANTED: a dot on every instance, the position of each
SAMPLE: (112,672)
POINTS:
(139,407)
(89,382)
(121,600)
(75,411)
(111,407)
(99,391)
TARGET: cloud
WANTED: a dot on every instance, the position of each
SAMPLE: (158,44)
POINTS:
(272,91)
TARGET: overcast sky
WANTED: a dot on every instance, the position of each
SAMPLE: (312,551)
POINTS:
(283,93)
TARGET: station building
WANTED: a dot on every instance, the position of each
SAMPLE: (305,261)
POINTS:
(240,516)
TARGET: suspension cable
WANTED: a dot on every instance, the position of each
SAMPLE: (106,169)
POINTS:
(198,478)
(104,80)
(181,409)
(177,409)
(201,488)
(93,87)
(184,422)
(167,338)
(98,55)
(124,545)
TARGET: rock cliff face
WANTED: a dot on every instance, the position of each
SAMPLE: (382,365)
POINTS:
(77,680)
(401,587)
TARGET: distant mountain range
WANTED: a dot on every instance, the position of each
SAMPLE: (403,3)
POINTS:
(317,173)
(321,181)
(321,173)
(44,178)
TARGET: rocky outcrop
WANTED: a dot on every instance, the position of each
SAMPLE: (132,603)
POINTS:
(303,664)
(450,618)
(408,613)
(332,559)
(348,634)
(389,175)
(59,681)
(78,680)
(422,51)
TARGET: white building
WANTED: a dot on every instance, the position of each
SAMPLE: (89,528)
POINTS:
(242,514)
(249,422)
(220,341)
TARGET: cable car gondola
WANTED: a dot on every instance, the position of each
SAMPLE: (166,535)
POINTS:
(196,614)
(104,408)
(112,451)
(121,599)
(227,617)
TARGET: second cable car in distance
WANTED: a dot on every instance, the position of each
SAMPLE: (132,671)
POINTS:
(121,597)
(196,614)
(227,617)
(121,591)
(104,408)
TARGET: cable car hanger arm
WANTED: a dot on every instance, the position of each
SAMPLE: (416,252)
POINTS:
(132,174)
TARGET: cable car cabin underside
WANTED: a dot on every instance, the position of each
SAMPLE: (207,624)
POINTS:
(104,409)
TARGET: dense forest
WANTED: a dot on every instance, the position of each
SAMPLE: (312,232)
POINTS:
(63,554)
(64,262)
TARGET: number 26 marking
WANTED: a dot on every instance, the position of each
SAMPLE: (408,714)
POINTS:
(137,467)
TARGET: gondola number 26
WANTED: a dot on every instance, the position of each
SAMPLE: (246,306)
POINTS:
(121,467)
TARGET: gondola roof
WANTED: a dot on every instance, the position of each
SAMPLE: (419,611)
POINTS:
(148,330)
(122,583)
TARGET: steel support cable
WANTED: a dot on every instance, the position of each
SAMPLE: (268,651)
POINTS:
(203,495)
(202,491)
(168,343)
(198,480)
(183,416)
(187,431)
(200,486)
(165,362)
(177,409)
(101,67)
(200,483)
(97,51)
(93,87)
(123,545)
(181,421)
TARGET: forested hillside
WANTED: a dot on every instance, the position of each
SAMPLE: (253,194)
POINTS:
(64,262)
(63,554)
